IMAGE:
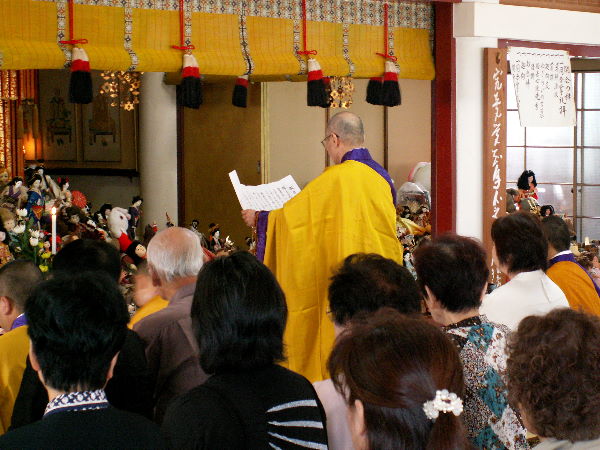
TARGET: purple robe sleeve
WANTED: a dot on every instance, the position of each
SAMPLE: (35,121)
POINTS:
(261,234)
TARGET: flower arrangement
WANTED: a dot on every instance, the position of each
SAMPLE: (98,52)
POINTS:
(29,243)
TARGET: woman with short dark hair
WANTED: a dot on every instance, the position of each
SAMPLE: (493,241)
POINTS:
(403,382)
(453,273)
(520,252)
(239,316)
(554,377)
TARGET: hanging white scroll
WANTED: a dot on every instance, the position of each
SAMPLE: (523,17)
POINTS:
(543,87)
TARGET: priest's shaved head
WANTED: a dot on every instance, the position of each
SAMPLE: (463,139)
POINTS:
(348,127)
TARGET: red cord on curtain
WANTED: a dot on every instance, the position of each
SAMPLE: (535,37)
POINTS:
(304,51)
(386,55)
(71,40)
(182,45)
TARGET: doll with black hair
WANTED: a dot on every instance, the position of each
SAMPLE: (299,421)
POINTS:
(527,185)
(134,255)
(5,254)
(65,197)
(135,212)
(14,194)
(35,199)
(214,242)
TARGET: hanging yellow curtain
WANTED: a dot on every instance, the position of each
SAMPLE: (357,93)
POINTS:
(103,27)
(154,32)
(217,40)
(28,35)
(229,36)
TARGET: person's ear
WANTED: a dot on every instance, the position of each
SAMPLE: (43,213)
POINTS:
(6,306)
(431,300)
(359,429)
(111,368)
(154,276)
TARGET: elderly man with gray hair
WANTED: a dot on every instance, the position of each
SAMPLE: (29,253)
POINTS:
(174,259)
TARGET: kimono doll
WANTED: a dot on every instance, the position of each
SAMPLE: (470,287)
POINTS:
(35,199)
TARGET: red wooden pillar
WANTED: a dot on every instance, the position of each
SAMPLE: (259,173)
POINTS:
(443,130)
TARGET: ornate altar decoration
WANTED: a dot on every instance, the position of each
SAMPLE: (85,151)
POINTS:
(122,88)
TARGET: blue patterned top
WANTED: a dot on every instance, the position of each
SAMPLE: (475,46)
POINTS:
(78,401)
(490,420)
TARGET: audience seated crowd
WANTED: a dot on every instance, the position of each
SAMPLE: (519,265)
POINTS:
(429,364)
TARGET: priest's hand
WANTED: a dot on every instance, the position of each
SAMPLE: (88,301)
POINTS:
(249,216)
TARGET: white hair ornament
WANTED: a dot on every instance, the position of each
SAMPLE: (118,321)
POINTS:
(444,401)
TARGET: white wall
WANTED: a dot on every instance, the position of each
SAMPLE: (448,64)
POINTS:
(158,149)
(293,131)
(478,25)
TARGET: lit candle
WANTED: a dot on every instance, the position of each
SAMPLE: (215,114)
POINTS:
(53,230)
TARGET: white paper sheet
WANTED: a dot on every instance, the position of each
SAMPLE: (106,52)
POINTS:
(264,197)
(543,87)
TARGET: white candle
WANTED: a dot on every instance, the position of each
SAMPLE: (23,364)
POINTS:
(587,240)
(53,230)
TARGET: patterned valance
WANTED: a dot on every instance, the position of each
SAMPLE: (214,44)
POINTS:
(231,37)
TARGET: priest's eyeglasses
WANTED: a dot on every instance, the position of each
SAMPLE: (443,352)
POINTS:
(325,140)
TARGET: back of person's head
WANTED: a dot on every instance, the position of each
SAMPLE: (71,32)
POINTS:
(77,324)
(393,365)
(366,282)
(554,374)
(455,270)
(84,255)
(520,242)
(175,253)
(17,280)
(557,233)
(239,314)
(348,127)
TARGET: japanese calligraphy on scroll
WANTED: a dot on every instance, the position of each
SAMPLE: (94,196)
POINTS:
(494,147)
(543,87)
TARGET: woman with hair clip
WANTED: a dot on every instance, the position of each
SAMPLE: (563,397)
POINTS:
(403,382)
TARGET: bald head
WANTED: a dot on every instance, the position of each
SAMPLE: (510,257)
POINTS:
(348,127)
(175,253)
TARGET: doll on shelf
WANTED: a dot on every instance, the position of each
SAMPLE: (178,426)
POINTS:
(135,212)
(4,178)
(14,194)
(527,185)
(65,197)
(35,199)
(214,243)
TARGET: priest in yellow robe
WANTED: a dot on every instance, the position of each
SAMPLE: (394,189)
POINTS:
(349,208)
(17,280)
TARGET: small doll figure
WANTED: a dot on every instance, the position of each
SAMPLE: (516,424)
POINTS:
(5,254)
(194,228)
(214,243)
(4,178)
(134,212)
(134,255)
(527,185)
(35,199)
(65,198)
(14,194)
(547,210)
(100,216)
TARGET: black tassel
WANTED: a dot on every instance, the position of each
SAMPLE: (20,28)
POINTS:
(390,95)
(80,87)
(240,92)
(189,94)
(80,84)
(374,89)
(316,94)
